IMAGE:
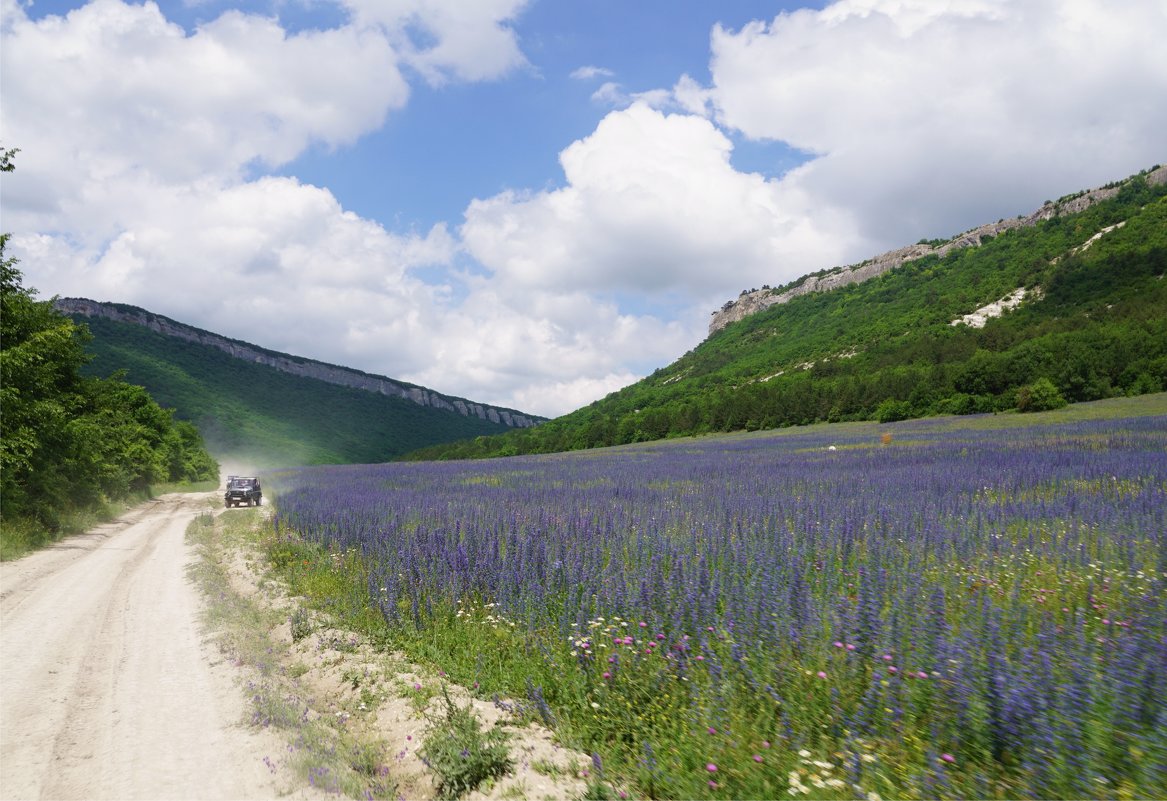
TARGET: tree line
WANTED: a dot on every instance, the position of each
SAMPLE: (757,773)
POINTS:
(71,444)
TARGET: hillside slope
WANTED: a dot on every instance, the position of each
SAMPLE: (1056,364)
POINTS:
(256,415)
(1070,308)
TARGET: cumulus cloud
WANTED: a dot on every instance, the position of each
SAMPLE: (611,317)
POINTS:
(926,117)
(271,256)
(651,204)
(553,351)
(113,103)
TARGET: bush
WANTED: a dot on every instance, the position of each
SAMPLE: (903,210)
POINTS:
(1040,396)
(892,410)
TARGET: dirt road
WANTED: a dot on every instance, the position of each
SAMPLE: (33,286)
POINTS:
(108,688)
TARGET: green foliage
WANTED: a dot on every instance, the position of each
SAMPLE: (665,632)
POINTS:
(265,417)
(460,754)
(892,410)
(69,445)
(885,349)
(1040,396)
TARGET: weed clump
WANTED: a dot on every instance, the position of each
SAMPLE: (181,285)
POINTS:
(460,754)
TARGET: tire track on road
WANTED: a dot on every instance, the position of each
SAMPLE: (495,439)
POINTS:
(107,688)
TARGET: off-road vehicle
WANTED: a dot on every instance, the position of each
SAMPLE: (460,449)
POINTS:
(242,491)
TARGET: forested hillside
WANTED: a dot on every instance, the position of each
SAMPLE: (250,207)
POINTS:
(70,444)
(258,416)
(1092,325)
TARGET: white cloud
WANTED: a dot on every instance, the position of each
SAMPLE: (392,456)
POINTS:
(691,97)
(588,72)
(449,39)
(271,256)
(113,103)
(548,349)
(611,93)
(928,117)
(652,205)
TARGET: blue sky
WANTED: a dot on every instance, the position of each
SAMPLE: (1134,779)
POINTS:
(535,203)
(462,141)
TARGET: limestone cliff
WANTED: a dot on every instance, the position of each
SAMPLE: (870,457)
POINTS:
(329,373)
(753,301)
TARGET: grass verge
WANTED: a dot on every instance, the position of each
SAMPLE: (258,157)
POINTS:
(20,536)
(321,750)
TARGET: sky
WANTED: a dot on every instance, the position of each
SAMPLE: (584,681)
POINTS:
(533,203)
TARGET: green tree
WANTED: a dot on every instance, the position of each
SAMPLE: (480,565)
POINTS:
(68,442)
(1040,396)
(40,355)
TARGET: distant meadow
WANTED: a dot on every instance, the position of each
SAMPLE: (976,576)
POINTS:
(934,609)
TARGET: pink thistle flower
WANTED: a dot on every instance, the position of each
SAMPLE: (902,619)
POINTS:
(765,743)
(921,675)
(643,624)
(822,674)
(893,670)
(700,658)
(712,784)
(711,768)
(711,730)
(607,675)
(948,757)
(850,647)
(887,657)
(757,758)
(838,644)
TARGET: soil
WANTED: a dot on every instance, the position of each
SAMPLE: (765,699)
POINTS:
(108,686)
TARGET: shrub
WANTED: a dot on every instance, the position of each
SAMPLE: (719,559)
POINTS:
(1040,396)
(892,410)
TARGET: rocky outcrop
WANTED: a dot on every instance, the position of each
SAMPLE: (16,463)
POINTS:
(978,318)
(754,301)
(307,368)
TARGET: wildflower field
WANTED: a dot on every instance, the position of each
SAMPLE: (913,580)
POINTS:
(958,610)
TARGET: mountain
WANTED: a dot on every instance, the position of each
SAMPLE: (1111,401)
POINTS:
(1064,305)
(261,408)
